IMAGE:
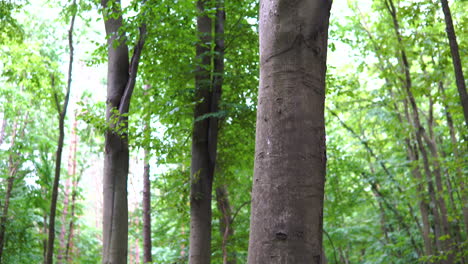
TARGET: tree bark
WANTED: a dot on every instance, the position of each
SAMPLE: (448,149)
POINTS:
(121,77)
(147,257)
(287,197)
(62,112)
(457,64)
(205,131)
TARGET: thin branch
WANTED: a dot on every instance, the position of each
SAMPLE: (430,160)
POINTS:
(238,210)
(125,100)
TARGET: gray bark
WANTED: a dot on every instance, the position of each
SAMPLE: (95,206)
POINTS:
(287,197)
(121,77)
(147,257)
(205,132)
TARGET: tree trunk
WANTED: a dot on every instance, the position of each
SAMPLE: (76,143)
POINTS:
(205,132)
(287,196)
(65,240)
(62,112)
(225,226)
(457,64)
(456,154)
(13,166)
(147,257)
(420,136)
(121,77)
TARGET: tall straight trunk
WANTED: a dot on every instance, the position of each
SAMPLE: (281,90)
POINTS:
(62,112)
(225,226)
(287,197)
(457,64)
(147,257)
(121,78)
(205,132)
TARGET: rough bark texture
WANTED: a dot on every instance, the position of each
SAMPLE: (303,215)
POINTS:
(204,138)
(62,111)
(287,196)
(457,64)
(146,211)
(121,77)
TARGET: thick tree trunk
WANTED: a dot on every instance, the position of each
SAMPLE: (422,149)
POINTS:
(62,111)
(225,226)
(457,64)
(116,154)
(121,77)
(147,257)
(287,196)
(205,133)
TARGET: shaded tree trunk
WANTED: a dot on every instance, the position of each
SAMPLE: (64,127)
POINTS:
(457,64)
(121,77)
(147,257)
(287,197)
(205,130)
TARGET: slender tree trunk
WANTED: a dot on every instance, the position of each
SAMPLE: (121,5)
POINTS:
(147,257)
(13,165)
(64,239)
(62,111)
(225,226)
(456,154)
(422,135)
(2,129)
(63,231)
(205,131)
(412,154)
(457,64)
(71,226)
(121,77)
(287,197)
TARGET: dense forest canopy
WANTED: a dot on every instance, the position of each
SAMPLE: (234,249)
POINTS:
(129,131)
